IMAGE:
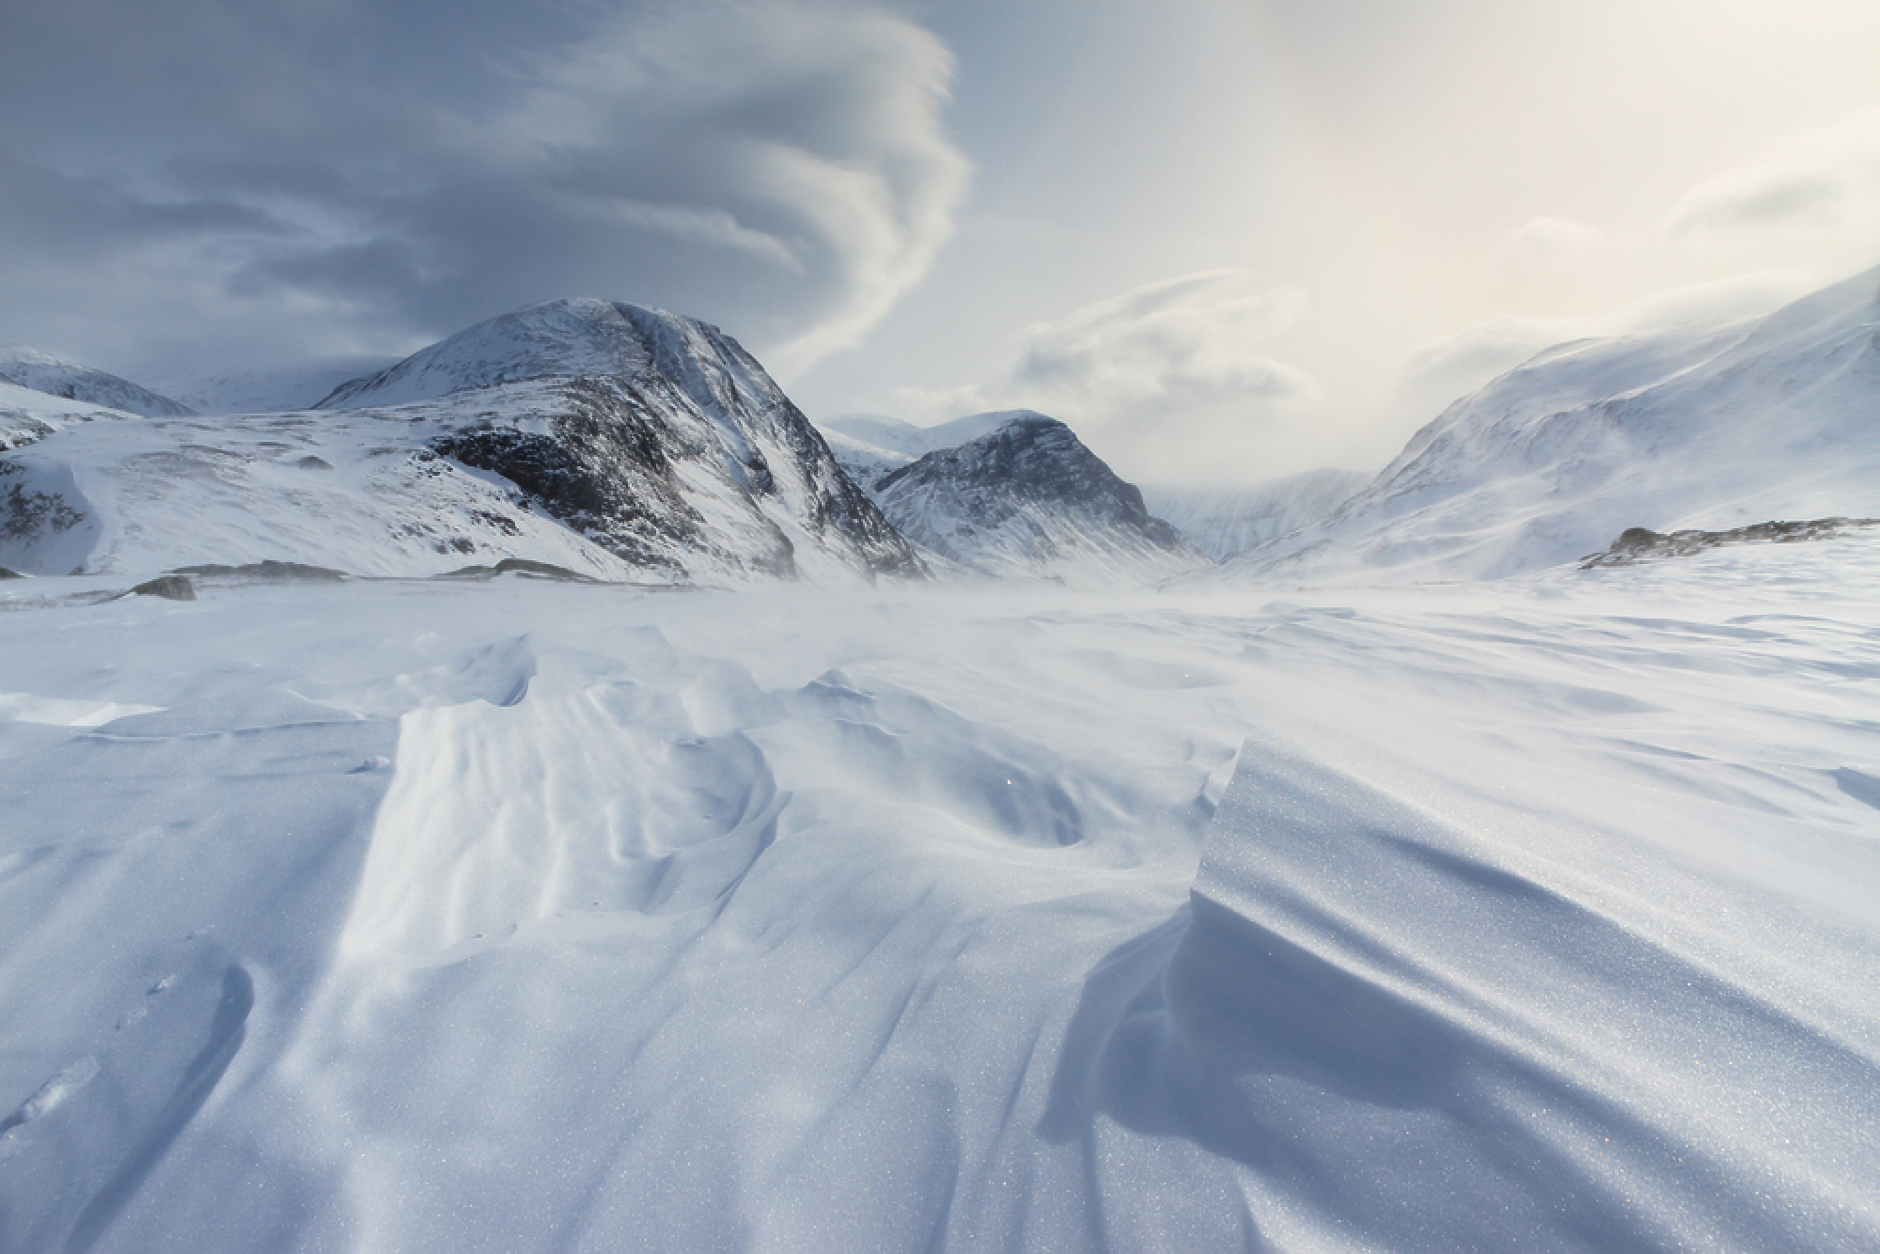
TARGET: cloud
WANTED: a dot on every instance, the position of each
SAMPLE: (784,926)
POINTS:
(780,168)
(1826,181)
(1167,381)
(1556,243)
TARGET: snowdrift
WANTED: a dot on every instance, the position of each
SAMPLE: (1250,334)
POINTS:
(1535,915)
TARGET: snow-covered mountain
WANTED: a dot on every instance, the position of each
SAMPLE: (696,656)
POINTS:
(616,441)
(1028,499)
(1223,521)
(1694,427)
(55,376)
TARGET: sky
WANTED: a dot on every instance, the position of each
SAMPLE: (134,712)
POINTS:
(1225,241)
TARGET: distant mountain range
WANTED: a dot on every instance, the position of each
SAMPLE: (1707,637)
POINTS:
(633,444)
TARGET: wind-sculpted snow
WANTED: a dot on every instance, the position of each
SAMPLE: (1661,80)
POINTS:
(1692,428)
(549,916)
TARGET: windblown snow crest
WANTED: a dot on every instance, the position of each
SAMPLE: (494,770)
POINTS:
(1363,990)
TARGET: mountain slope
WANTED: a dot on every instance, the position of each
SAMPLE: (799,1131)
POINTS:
(699,385)
(1224,521)
(56,376)
(27,416)
(1705,427)
(1029,499)
(621,442)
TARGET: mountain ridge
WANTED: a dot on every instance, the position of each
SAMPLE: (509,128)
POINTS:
(1694,427)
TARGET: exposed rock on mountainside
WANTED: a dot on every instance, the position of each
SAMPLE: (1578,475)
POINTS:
(1641,544)
(618,442)
(653,403)
(1030,499)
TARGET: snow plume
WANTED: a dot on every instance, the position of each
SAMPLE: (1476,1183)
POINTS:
(1166,380)
(1448,368)
(779,168)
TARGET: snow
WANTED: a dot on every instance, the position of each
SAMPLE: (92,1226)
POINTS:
(676,457)
(1029,500)
(1531,914)
(1221,522)
(357,492)
(1402,885)
(1008,495)
(55,376)
(266,389)
(584,336)
(1696,427)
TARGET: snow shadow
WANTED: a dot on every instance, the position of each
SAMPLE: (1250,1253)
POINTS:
(175,881)
(227,1030)
(1379,1026)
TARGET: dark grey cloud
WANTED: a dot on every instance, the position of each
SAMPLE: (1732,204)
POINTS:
(45,210)
(335,171)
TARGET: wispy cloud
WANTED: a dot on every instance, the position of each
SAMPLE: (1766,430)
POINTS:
(1826,181)
(1553,243)
(1168,379)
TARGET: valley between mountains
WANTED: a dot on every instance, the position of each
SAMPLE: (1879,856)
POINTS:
(548,794)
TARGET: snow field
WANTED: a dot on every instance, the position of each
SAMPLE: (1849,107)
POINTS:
(402,916)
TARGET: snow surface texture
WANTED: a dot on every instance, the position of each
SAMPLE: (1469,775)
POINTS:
(1539,915)
(1221,522)
(55,376)
(622,443)
(1697,427)
(1013,494)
